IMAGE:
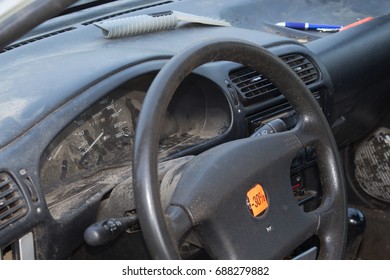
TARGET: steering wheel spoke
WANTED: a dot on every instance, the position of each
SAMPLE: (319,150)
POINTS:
(180,222)
(239,236)
(216,187)
(232,169)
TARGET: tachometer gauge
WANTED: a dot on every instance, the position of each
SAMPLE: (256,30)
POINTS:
(102,136)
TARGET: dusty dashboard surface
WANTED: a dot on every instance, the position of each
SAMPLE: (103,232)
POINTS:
(94,151)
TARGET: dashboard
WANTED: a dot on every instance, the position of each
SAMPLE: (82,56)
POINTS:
(85,157)
(66,148)
(99,141)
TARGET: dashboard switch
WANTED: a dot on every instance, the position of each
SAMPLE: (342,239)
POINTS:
(105,231)
(274,126)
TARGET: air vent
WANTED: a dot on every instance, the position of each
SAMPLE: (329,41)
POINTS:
(12,203)
(303,67)
(253,87)
(34,39)
(125,12)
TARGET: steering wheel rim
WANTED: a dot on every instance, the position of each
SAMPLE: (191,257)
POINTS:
(158,232)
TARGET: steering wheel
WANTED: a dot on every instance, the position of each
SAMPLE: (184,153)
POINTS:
(211,197)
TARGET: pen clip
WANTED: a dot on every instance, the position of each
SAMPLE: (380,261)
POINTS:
(328,29)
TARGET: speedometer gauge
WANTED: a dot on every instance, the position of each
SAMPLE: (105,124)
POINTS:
(99,137)
(101,133)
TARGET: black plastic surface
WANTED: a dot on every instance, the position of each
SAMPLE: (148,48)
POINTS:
(49,82)
(105,231)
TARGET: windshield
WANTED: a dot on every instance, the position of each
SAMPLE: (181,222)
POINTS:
(84,4)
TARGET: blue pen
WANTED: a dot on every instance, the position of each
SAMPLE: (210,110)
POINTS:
(310,26)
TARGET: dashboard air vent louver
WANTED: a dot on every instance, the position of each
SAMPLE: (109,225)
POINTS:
(253,87)
(303,67)
(37,38)
(12,203)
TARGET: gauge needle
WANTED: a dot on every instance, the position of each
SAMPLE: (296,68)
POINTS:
(59,149)
(94,142)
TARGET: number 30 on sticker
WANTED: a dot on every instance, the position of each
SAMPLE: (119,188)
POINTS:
(256,200)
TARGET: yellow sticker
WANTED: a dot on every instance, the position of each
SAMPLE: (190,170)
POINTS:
(256,200)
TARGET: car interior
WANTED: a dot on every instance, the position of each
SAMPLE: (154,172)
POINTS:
(179,129)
